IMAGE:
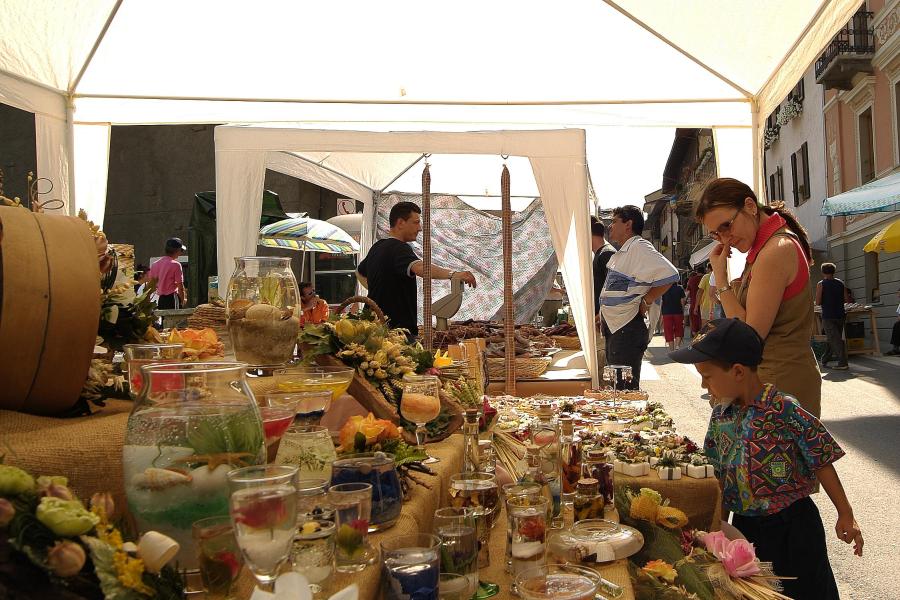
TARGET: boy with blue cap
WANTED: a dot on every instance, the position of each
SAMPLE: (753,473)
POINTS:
(767,453)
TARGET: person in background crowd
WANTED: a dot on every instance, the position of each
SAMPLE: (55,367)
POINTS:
(390,268)
(169,277)
(314,309)
(602,250)
(693,290)
(775,290)
(831,294)
(704,302)
(895,334)
(673,315)
(637,276)
(767,453)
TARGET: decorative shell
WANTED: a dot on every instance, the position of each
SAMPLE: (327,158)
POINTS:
(160,479)
(156,549)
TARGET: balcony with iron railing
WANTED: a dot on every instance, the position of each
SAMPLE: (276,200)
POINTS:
(849,53)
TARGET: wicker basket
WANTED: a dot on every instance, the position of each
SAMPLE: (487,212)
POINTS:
(526,368)
(566,342)
(370,304)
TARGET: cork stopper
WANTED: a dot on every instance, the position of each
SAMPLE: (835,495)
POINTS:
(545,410)
(588,484)
(471,415)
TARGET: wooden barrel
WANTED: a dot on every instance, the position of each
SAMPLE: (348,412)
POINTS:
(49,309)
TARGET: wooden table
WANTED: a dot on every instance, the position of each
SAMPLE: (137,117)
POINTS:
(860,314)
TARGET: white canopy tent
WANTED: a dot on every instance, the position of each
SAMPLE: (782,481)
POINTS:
(363,164)
(82,66)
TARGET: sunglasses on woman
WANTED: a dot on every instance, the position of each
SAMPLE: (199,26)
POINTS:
(723,229)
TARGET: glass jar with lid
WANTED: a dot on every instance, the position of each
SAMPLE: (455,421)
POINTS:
(262,310)
(588,500)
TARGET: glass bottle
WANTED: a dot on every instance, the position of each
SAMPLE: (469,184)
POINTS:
(262,310)
(599,465)
(569,458)
(533,472)
(190,426)
(470,441)
(589,501)
(545,436)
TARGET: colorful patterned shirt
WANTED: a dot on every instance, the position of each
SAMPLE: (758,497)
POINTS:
(766,453)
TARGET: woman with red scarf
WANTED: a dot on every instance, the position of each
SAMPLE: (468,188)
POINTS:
(774,293)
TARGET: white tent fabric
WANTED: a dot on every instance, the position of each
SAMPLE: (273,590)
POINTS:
(557,160)
(700,63)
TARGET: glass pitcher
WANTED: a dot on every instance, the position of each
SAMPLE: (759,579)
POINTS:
(262,308)
(191,425)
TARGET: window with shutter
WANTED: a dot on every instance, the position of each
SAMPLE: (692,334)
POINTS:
(794,178)
(779,173)
(771,190)
(804,159)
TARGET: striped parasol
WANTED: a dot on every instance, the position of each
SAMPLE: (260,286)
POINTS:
(303,233)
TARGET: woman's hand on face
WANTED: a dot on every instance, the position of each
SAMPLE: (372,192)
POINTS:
(719,261)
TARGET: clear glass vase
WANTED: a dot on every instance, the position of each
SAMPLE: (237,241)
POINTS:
(191,425)
(262,310)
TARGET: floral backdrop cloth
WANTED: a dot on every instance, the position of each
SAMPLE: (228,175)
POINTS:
(464,238)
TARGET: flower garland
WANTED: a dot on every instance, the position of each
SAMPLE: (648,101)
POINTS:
(771,135)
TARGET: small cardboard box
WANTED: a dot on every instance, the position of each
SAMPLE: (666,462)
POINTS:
(668,472)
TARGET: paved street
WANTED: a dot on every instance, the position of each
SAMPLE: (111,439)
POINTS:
(861,408)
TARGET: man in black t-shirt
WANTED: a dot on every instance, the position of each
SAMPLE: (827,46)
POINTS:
(831,293)
(390,268)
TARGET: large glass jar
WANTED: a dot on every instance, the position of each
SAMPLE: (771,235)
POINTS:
(309,448)
(191,425)
(262,310)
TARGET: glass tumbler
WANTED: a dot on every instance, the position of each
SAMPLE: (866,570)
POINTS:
(411,566)
(352,503)
(458,530)
(309,448)
(312,501)
(138,355)
(219,557)
(527,531)
(313,552)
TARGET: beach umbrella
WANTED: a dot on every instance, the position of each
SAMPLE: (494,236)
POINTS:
(304,234)
(886,240)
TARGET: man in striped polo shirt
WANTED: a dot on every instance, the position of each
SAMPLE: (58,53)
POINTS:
(637,276)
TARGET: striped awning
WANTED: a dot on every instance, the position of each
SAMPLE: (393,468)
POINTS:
(880,195)
(303,233)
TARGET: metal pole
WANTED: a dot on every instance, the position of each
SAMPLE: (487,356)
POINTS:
(509,312)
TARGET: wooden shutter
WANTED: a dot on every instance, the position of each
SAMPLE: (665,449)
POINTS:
(804,157)
(794,178)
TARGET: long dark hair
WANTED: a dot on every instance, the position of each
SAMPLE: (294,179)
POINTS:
(728,192)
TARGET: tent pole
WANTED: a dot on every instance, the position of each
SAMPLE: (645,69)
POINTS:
(426,255)
(758,183)
(509,312)
(70,150)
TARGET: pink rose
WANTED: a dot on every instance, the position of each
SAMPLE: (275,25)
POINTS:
(715,542)
(739,559)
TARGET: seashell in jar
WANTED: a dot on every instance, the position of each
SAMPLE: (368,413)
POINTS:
(263,312)
(159,479)
(238,308)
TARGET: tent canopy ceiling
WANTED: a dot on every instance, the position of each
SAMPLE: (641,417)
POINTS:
(724,53)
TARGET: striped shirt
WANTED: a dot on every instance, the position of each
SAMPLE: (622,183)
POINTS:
(631,273)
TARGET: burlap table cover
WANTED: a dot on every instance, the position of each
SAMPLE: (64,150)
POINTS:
(87,450)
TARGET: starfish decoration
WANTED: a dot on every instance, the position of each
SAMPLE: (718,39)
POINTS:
(222,458)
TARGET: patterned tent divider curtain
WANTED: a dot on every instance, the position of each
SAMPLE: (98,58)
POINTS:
(467,238)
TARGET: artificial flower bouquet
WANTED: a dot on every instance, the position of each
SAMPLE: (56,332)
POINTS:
(681,564)
(53,542)
(368,434)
